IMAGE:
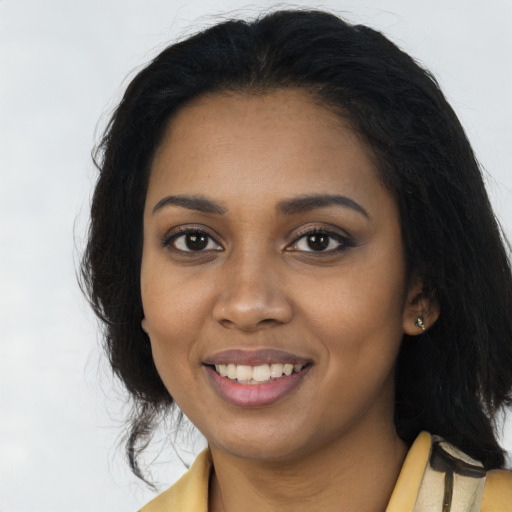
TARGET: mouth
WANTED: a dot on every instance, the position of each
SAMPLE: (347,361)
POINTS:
(255,378)
(260,374)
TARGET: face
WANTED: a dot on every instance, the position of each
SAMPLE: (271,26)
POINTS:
(273,276)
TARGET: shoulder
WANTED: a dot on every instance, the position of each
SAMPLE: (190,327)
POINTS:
(189,493)
(436,473)
(469,479)
(498,491)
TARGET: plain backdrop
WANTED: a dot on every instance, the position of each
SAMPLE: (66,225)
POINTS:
(63,66)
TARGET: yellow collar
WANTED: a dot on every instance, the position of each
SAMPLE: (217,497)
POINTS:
(190,493)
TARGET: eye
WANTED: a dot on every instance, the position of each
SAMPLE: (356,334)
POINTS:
(321,241)
(191,240)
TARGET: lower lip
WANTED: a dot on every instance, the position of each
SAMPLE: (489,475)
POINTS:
(255,395)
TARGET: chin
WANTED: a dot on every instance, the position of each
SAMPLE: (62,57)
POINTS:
(269,443)
(262,450)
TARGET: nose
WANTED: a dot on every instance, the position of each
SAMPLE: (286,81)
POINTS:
(252,296)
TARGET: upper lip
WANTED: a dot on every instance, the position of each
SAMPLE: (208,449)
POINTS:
(255,357)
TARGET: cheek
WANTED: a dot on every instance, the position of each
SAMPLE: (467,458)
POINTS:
(173,304)
(165,320)
(362,300)
(361,328)
(360,334)
(175,309)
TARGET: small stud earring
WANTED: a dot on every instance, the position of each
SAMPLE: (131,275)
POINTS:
(420,322)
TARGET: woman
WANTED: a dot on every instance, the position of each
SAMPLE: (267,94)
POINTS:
(291,241)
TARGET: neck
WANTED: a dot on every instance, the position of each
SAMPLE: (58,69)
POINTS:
(336,477)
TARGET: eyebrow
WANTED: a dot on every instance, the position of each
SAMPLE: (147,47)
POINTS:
(197,203)
(311,202)
(287,207)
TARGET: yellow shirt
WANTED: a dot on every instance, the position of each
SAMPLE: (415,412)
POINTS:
(493,490)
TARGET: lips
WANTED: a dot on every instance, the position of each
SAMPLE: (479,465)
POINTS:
(255,378)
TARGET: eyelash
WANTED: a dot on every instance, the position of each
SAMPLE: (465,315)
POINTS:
(344,241)
(169,240)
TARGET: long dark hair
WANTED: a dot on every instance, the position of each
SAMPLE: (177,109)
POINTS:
(450,381)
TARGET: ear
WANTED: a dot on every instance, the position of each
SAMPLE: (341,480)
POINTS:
(144,325)
(421,310)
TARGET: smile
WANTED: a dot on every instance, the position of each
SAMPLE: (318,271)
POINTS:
(252,375)
(255,378)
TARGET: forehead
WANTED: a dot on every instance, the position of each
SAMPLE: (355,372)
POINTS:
(281,141)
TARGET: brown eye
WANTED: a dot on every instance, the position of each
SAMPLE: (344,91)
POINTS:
(318,241)
(321,242)
(196,241)
(192,241)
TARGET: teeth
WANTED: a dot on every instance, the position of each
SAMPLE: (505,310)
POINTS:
(243,372)
(276,370)
(222,369)
(261,373)
(231,371)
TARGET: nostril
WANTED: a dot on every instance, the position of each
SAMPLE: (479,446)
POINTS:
(228,324)
(251,326)
(269,321)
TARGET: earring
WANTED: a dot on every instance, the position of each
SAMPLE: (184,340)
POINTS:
(420,322)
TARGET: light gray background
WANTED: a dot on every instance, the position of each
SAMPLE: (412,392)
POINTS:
(63,65)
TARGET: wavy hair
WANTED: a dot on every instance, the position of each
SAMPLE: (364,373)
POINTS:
(451,381)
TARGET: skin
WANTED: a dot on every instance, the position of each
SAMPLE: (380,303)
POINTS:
(259,284)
